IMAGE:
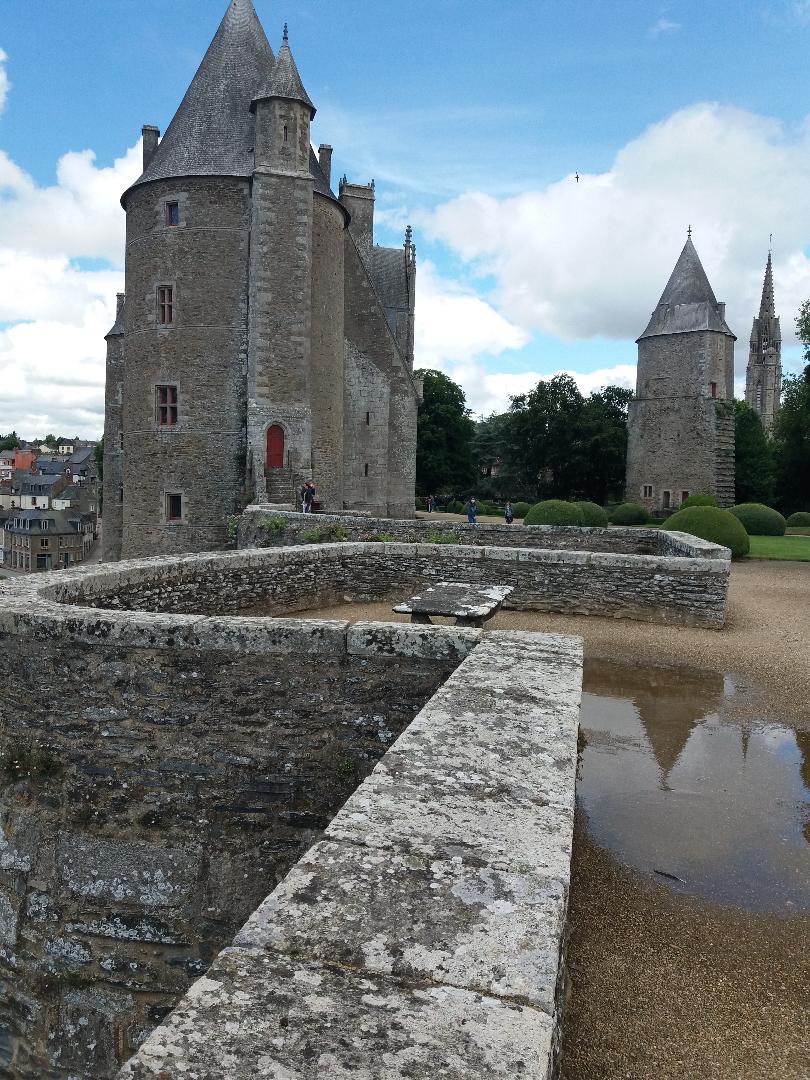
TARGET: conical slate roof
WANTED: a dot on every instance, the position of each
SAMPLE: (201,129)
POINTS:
(688,302)
(212,131)
(284,81)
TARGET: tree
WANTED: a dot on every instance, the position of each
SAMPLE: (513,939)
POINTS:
(753,462)
(52,441)
(444,461)
(792,443)
(10,441)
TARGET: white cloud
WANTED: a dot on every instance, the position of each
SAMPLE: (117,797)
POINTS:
(52,349)
(663,26)
(5,83)
(591,259)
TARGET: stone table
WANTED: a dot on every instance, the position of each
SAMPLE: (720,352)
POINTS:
(471,605)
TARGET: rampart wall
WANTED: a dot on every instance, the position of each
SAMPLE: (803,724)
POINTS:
(164,768)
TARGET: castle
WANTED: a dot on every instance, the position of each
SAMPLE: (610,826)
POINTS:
(263,338)
(763,380)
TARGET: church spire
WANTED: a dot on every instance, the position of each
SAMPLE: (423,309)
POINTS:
(767,307)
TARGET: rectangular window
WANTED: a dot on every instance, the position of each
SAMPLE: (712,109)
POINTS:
(666,499)
(174,507)
(368,418)
(684,496)
(172,213)
(44,542)
(166,406)
(365,469)
(647,491)
(121,440)
(44,524)
(713,389)
(165,305)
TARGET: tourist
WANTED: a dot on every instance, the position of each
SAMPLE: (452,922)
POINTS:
(309,496)
(472,510)
(509,513)
(302,494)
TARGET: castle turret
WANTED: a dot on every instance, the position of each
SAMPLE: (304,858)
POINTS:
(763,377)
(681,421)
(113,492)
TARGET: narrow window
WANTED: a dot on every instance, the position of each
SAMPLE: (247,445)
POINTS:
(365,469)
(647,491)
(368,418)
(713,389)
(758,399)
(166,406)
(174,507)
(121,440)
(667,498)
(165,303)
(172,213)
(285,133)
(120,495)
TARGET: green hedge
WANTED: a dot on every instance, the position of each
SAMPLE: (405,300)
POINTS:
(712,524)
(759,520)
(554,512)
(593,515)
(521,509)
(800,520)
(421,504)
(699,500)
(629,514)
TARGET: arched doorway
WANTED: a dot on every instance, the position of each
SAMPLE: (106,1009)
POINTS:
(275,447)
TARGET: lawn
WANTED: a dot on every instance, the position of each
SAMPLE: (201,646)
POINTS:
(796,547)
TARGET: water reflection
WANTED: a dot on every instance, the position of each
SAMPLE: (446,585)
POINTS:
(678,790)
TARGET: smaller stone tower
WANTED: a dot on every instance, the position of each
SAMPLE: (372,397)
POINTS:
(680,425)
(763,378)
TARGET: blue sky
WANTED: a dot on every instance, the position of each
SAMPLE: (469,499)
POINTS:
(472,117)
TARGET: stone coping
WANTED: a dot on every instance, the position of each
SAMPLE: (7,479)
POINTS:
(423,936)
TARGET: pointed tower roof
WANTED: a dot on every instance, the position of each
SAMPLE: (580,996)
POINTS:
(688,302)
(284,80)
(212,131)
(767,306)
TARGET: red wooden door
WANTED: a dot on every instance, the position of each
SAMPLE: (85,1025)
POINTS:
(275,447)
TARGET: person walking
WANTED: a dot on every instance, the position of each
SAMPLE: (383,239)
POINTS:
(472,510)
(309,497)
(509,513)
(302,497)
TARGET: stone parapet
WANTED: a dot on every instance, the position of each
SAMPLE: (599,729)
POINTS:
(424,935)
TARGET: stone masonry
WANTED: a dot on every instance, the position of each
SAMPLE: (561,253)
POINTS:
(681,420)
(265,339)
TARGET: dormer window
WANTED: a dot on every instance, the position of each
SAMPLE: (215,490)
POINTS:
(172,214)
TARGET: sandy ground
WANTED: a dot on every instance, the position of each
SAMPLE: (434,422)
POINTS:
(665,986)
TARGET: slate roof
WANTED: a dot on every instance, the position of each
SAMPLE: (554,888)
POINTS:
(283,80)
(82,455)
(387,269)
(688,302)
(213,131)
(117,327)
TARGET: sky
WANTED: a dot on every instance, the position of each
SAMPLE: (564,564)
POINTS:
(474,119)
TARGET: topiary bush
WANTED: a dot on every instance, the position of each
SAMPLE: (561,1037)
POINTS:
(521,509)
(554,512)
(712,524)
(800,520)
(593,515)
(629,514)
(759,520)
(699,500)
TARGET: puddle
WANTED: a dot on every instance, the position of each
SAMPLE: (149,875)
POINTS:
(720,807)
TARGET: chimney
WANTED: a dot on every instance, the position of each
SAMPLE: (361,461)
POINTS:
(119,303)
(721,309)
(325,159)
(151,138)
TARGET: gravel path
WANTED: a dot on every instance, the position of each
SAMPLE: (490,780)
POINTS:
(664,986)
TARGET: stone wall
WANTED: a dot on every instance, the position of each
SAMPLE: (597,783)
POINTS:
(161,774)
(423,936)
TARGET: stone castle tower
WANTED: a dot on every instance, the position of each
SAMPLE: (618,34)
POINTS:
(681,421)
(263,338)
(763,377)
